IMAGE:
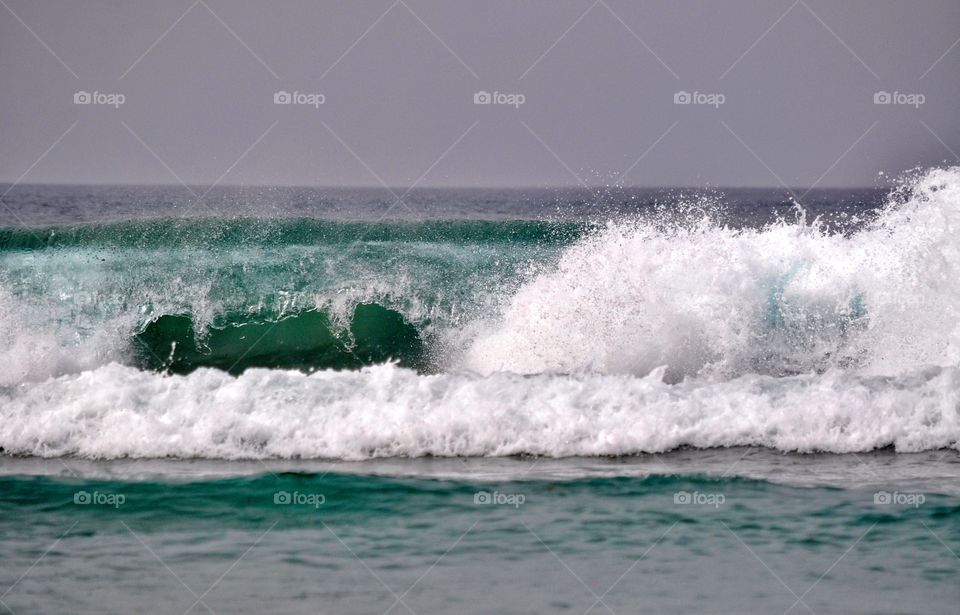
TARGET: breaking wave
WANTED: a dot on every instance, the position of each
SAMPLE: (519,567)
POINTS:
(235,339)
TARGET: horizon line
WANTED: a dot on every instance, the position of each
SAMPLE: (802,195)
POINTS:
(400,189)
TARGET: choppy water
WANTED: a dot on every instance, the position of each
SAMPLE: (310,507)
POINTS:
(669,534)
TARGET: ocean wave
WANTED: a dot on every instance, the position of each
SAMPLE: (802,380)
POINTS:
(676,287)
(383,411)
(79,305)
(645,335)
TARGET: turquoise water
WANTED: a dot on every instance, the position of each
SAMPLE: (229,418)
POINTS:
(371,543)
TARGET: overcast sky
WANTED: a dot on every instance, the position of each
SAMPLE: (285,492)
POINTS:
(786,91)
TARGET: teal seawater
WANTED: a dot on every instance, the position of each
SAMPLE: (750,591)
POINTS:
(295,543)
(178,294)
(214,232)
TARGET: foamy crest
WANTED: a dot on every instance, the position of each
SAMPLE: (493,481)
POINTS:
(710,300)
(31,349)
(117,411)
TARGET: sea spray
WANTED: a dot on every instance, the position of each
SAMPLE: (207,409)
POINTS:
(710,300)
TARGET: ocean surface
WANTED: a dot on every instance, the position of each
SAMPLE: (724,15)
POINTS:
(299,400)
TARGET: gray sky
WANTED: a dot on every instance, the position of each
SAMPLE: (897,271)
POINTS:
(798,80)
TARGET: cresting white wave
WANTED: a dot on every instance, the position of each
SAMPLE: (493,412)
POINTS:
(381,411)
(704,300)
(713,301)
(640,340)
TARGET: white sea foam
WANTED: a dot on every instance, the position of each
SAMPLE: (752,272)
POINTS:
(31,349)
(709,300)
(116,411)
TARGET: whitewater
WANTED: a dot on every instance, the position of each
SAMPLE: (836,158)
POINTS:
(635,334)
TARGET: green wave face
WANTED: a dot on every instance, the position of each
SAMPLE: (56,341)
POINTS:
(176,295)
(305,341)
